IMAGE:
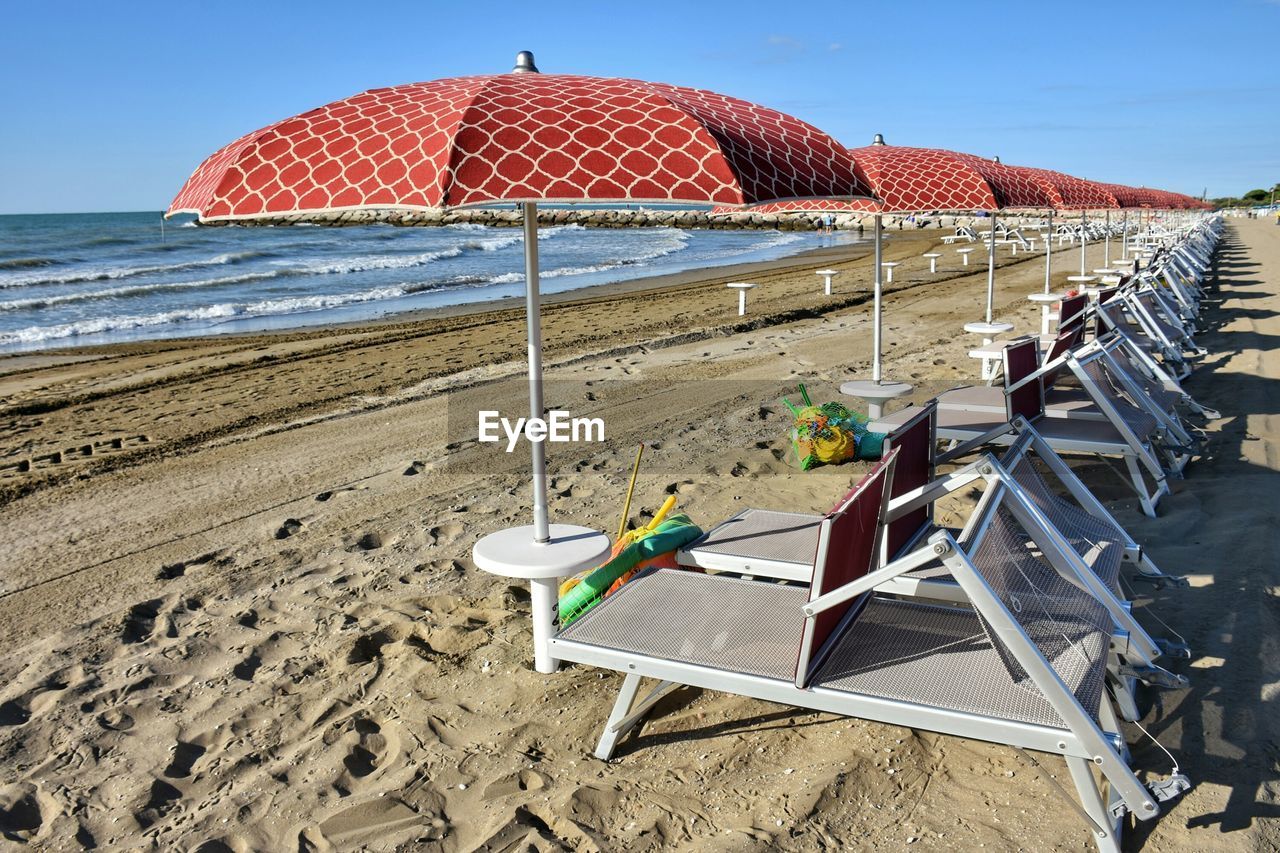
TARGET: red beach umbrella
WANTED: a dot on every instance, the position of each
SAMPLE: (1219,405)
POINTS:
(1071,193)
(903,179)
(804,205)
(909,180)
(516,137)
(1015,188)
(1131,198)
(522,137)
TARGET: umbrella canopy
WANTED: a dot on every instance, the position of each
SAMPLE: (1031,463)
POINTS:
(1015,188)
(471,141)
(521,137)
(910,180)
(805,205)
(1071,193)
(1128,197)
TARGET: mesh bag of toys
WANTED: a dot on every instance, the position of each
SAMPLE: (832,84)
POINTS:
(830,434)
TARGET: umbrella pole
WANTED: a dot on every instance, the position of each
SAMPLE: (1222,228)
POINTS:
(991,268)
(1106,250)
(875,330)
(533,321)
(1084,220)
(1048,255)
(1124,235)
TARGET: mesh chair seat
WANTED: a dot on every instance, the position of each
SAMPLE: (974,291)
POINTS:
(897,650)
(1059,403)
(709,620)
(940,656)
(1098,543)
(779,540)
(1142,422)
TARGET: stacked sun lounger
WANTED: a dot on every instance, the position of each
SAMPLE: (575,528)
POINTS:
(1014,629)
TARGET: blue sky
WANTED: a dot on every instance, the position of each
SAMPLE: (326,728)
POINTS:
(111,105)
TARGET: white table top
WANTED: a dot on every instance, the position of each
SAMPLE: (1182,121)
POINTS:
(827,272)
(740,285)
(983,328)
(965,251)
(889,263)
(512,553)
(1082,278)
(1044,298)
(931,255)
(868,389)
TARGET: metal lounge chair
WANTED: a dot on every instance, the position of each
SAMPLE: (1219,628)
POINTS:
(1102,389)
(1024,664)
(1024,396)
(759,543)
(963,232)
(1162,322)
(770,544)
(1113,317)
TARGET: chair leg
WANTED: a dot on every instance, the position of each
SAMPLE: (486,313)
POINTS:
(1140,486)
(1106,832)
(609,737)
(1122,687)
(623,718)
(1208,414)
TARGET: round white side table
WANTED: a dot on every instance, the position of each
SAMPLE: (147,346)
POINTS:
(513,553)
(742,287)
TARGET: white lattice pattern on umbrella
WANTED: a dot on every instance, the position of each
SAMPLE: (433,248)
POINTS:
(806,205)
(519,137)
(1014,188)
(1072,193)
(909,180)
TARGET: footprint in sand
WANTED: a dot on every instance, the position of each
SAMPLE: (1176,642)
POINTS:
(376,748)
(370,541)
(525,780)
(185,755)
(25,811)
(116,720)
(141,622)
(177,570)
(444,534)
(247,668)
(14,713)
(163,798)
(324,497)
(289,528)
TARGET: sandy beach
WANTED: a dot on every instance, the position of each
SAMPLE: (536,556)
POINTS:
(238,610)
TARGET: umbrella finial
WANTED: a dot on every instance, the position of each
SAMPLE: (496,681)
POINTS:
(996,159)
(524,63)
(879,140)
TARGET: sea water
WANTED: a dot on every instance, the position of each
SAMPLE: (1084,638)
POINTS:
(68,279)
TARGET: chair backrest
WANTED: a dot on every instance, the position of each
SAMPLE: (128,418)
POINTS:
(1067,624)
(1106,294)
(848,543)
(1066,340)
(917,445)
(1072,310)
(1020,361)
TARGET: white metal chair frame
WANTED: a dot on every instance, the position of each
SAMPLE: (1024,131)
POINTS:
(1088,739)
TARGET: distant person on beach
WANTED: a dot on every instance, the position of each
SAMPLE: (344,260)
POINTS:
(828,223)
